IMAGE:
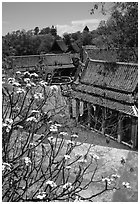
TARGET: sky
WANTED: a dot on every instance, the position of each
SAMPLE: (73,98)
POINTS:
(66,16)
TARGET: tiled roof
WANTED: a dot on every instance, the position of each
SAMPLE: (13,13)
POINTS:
(127,109)
(112,95)
(54,59)
(25,61)
(100,53)
(48,60)
(109,85)
(118,76)
(61,66)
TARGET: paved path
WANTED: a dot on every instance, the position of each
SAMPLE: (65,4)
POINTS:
(110,163)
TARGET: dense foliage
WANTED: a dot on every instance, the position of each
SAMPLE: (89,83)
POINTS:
(119,32)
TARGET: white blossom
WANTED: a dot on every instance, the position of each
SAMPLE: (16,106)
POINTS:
(11,80)
(27,161)
(62,115)
(32,119)
(53,128)
(27,80)
(68,167)
(66,157)
(6,166)
(67,186)
(34,111)
(19,126)
(7,124)
(32,84)
(107,179)
(20,90)
(28,85)
(18,72)
(50,139)
(34,74)
(32,144)
(69,142)
(126,185)
(16,84)
(77,199)
(63,133)
(38,96)
(27,73)
(43,83)
(74,136)
(9,121)
(8,128)
(41,195)
(54,88)
(82,161)
(51,183)
(95,156)
(58,125)
(115,176)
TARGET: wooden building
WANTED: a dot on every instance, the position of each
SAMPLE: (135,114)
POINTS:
(54,64)
(104,98)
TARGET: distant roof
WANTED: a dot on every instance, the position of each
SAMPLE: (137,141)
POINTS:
(59,44)
(53,60)
(57,59)
(74,47)
(86,29)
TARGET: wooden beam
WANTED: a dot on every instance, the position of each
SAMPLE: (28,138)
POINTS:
(89,114)
(77,109)
(70,107)
(134,132)
(120,126)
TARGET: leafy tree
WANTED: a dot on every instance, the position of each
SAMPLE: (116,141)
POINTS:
(67,38)
(53,31)
(122,27)
(46,30)
(45,43)
(36,30)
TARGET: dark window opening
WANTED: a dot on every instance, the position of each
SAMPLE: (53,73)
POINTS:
(126,130)
(83,119)
(96,117)
(111,123)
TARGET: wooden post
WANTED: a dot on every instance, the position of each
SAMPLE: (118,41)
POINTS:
(89,114)
(77,109)
(120,134)
(103,119)
(95,116)
(70,107)
(134,132)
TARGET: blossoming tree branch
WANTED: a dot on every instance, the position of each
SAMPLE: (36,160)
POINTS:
(39,163)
